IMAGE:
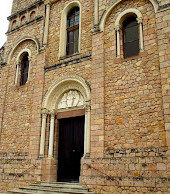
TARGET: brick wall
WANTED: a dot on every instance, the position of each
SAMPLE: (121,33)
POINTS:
(129,101)
(21,4)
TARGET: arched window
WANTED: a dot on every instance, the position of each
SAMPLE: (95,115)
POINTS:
(24,69)
(23,18)
(130,37)
(72,31)
(14,23)
(129,24)
(32,15)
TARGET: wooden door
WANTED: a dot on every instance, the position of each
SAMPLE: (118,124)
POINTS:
(71,148)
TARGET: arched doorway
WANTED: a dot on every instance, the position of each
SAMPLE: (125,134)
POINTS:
(67,102)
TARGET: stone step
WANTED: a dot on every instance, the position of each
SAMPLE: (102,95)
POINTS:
(18,191)
(21,191)
(52,188)
(59,186)
(60,189)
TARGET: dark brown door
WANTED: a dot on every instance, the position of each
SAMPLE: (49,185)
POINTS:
(71,148)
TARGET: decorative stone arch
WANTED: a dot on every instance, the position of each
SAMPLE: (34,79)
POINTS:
(118,25)
(18,65)
(123,14)
(63,34)
(53,97)
(18,42)
(23,51)
(108,11)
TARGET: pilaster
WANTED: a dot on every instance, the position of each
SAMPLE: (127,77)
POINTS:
(97,91)
(164,56)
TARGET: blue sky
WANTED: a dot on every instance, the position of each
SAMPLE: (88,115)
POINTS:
(5,11)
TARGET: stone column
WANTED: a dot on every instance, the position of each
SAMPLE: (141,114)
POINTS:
(117,28)
(47,18)
(17,75)
(51,138)
(43,129)
(96,12)
(139,20)
(29,59)
(87,131)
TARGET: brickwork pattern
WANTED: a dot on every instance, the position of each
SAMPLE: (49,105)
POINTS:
(18,5)
(133,100)
(130,104)
(54,29)
(163,21)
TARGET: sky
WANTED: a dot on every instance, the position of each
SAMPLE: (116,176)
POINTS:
(5,11)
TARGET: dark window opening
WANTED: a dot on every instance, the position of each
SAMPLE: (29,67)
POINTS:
(14,23)
(23,19)
(130,37)
(32,15)
(24,69)
(72,31)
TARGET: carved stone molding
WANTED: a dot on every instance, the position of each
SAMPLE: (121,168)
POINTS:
(139,20)
(44,112)
(70,99)
(61,86)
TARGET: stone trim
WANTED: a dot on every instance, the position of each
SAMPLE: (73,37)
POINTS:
(122,16)
(118,28)
(165,6)
(68,62)
(63,84)
(22,39)
(108,11)
(52,98)
(63,33)
(25,9)
(70,113)
(26,23)
(18,66)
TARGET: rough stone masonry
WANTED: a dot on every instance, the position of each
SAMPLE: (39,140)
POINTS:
(126,101)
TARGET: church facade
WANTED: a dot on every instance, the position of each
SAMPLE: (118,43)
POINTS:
(85,95)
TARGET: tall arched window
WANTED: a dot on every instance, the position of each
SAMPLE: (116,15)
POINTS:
(130,24)
(24,69)
(130,37)
(72,31)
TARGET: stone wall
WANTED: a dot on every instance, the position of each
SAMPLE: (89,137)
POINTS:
(130,103)
(136,150)
(21,4)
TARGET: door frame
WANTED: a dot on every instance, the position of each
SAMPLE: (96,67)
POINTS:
(50,110)
(67,115)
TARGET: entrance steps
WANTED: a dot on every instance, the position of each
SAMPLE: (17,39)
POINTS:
(52,188)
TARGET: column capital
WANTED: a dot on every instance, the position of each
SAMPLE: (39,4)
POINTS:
(47,2)
(19,61)
(139,20)
(87,106)
(44,111)
(52,113)
(117,28)
(29,58)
